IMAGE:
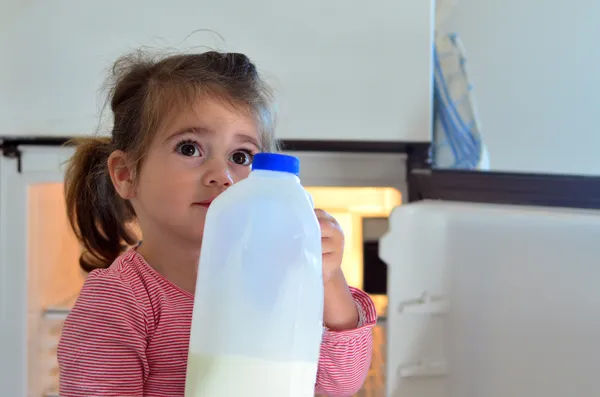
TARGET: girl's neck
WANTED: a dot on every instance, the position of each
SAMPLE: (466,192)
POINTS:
(176,262)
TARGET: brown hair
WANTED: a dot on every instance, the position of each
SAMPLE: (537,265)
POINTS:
(144,91)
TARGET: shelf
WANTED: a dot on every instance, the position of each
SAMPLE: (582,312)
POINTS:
(56,313)
(426,304)
(426,369)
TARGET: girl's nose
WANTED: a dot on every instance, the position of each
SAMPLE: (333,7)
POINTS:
(217,174)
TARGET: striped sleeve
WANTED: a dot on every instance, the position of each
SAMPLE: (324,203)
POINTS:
(346,355)
(102,347)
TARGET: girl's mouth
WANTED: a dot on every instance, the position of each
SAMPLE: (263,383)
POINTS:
(205,203)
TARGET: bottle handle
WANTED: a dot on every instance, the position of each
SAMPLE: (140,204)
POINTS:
(310,199)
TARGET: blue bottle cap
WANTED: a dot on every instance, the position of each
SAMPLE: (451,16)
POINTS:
(276,162)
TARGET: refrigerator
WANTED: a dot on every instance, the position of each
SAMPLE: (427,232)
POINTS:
(359,183)
(493,286)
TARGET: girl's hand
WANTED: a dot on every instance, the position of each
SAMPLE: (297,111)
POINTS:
(332,243)
(340,312)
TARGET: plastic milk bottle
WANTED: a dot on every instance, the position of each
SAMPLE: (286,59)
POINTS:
(258,313)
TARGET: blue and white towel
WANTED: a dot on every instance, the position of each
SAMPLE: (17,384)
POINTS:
(457,141)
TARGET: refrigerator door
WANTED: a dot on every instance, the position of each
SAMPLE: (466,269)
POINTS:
(492,300)
(39,274)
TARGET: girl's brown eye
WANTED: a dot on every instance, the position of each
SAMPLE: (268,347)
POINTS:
(241,158)
(188,149)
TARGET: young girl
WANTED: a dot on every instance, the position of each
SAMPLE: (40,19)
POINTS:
(185,129)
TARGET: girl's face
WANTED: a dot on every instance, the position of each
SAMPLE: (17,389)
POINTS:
(200,154)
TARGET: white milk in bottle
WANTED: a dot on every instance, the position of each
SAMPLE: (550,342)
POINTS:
(258,313)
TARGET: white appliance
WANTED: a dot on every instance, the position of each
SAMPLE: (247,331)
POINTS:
(39,273)
(494,300)
(40,277)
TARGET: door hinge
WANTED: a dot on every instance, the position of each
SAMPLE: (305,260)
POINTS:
(11,150)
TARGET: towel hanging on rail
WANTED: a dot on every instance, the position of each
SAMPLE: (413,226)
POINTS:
(457,141)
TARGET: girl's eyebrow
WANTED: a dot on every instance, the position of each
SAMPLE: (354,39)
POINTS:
(245,138)
(187,130)
(240,136)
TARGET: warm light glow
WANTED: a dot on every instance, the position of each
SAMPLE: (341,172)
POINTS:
(366,201)
(53,279)
(52,250)
(349,205)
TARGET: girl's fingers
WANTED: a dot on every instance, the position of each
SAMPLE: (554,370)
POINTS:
(329,246)
(328,229)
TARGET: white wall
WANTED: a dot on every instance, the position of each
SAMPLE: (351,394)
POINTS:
(535,66)
(344,71)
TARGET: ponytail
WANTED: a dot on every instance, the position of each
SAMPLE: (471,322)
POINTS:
(97,214)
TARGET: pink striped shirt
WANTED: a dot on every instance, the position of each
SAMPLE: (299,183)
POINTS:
(129,331)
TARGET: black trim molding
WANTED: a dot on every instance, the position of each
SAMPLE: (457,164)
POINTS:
(417,152)
(549,190)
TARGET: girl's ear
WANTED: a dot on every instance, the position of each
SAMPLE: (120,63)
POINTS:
(122,174)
